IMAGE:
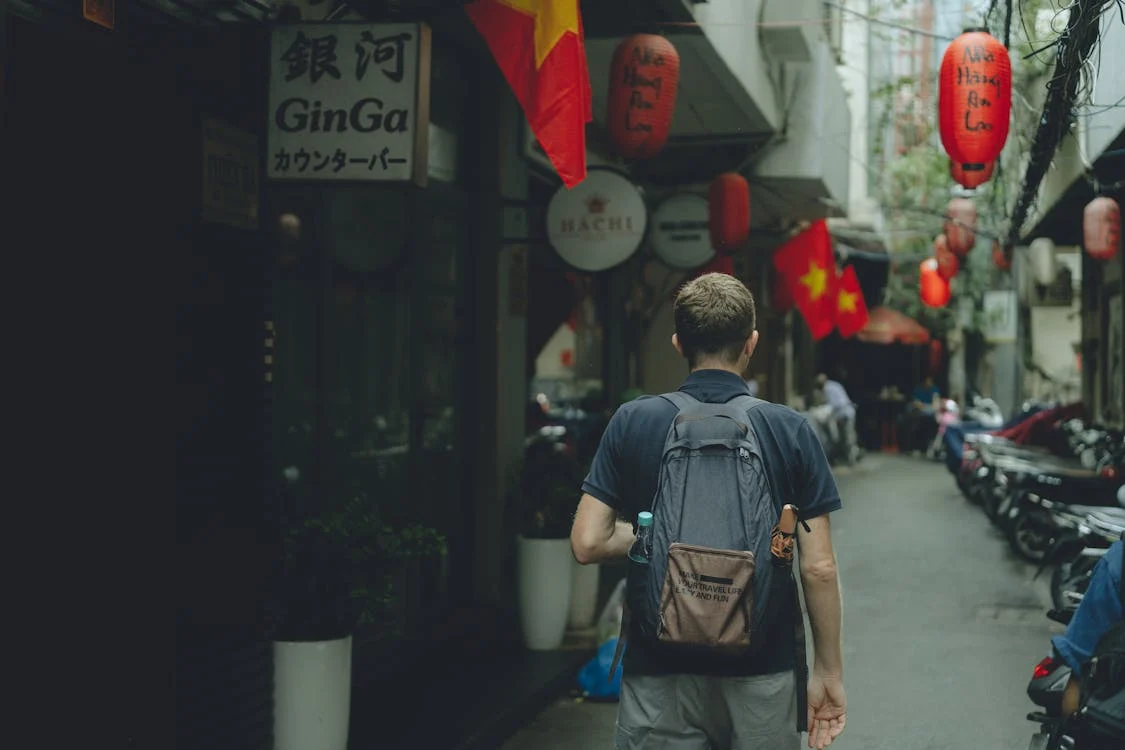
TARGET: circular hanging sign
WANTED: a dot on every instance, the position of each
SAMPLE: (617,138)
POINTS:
(681,235)
(599,223)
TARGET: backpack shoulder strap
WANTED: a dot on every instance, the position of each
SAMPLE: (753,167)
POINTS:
(745,403)
(679,399)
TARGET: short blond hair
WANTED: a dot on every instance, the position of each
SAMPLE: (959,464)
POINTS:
(714,315)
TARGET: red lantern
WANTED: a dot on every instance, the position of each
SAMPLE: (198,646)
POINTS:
(959,228)
(932,288)
(643,79)
(999,258)
(947,263)
(1101,228)
(975,99)
(729,212)
(973,178)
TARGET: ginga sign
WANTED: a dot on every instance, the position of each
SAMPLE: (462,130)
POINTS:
(349,101)
(599,223)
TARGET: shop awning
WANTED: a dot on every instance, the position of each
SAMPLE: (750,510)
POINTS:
(887,326)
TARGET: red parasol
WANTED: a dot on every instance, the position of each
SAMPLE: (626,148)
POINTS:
(887,326)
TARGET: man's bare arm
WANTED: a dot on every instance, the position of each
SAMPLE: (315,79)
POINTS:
(821,584)
(597,534)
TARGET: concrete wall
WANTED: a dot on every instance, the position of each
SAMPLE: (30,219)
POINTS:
(1105,122)
(855,76)
(731,26)
(818,132)
(1054,332)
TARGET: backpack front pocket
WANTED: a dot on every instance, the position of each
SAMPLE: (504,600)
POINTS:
(707,597)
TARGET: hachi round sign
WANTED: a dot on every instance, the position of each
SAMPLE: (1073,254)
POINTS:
(599,223)
(681,235)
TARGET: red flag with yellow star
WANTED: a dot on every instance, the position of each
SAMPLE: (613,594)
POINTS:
(851,307)
(539,47)
(808,267)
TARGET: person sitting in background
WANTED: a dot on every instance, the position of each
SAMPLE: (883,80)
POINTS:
(921,417)
(926,396)
(842,425)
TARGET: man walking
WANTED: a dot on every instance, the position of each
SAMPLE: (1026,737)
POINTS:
(678,690)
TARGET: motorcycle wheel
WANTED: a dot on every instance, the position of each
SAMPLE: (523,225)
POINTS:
(1029,539)
(1071,576)
(1003,513)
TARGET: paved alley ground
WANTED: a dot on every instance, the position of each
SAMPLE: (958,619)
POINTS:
(942,624)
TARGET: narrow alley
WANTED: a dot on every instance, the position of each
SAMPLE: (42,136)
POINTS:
(942,624)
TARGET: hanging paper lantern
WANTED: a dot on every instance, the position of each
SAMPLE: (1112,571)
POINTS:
(1101,228)
(999,258)
(932,288)
(643,79)
(729,212)
(1041,256)
(975,99)
(973,179)
(960,225)
(947,263)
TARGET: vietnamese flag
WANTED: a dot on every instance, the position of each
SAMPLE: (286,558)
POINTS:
(538,45)
(851,307)
(808,267)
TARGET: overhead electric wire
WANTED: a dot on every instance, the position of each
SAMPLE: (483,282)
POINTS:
(1075,43)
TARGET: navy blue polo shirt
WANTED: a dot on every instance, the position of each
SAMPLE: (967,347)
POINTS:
(624,476)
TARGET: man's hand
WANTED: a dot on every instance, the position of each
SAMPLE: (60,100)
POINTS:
(828,710)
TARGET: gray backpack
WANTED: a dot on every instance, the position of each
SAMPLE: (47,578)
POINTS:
(720,571)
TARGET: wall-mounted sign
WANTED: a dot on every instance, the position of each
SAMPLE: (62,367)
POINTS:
(230,175)
(1001,314)
(680,231)
(598,223)
(349,101)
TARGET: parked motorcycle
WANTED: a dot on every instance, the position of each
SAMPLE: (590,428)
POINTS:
(1079,555)
(989,463)
(1042,503)
(1048,683)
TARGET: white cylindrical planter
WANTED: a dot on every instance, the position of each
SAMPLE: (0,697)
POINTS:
(545,568)
(312,685)
(584,596)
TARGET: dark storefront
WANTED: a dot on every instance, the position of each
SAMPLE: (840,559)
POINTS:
(105,134)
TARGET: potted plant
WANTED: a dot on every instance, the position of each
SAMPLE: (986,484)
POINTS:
(338,573)
(546,490)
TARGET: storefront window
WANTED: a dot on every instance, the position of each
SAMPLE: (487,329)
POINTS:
(367,308)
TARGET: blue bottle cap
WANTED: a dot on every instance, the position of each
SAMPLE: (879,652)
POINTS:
(644,518)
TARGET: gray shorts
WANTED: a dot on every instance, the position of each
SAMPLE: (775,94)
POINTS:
(697,712)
